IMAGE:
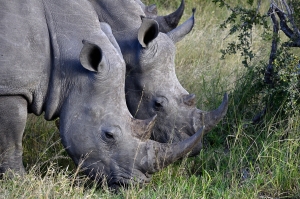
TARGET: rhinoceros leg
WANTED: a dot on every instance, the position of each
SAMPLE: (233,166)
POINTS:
(13,115)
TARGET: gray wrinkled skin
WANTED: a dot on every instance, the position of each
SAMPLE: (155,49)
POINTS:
(45,67)
(151,83)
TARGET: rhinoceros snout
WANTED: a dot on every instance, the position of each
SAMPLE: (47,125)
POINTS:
(137,179)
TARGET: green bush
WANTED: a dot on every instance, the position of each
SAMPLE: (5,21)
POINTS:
(274,79)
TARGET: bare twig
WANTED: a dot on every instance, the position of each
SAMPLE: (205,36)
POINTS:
(289,11)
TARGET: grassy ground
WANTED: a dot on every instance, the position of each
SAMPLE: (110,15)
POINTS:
(239,160)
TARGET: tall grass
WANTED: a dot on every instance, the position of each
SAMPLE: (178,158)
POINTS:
(239,160)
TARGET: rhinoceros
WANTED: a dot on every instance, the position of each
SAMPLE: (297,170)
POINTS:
(151,83)
(55,59)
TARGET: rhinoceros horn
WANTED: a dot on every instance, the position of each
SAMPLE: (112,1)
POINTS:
(142,129)
(161,155)
(178,33)
(169,22)
(210,119)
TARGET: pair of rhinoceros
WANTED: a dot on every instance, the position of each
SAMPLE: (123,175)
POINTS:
(57,58)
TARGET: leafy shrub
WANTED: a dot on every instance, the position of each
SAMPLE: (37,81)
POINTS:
(273,81)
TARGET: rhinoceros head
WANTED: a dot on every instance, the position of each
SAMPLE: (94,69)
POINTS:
(99,132)
(152,87)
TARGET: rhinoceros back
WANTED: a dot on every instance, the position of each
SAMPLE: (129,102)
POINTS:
(24,49)
(120,15)
(40,42)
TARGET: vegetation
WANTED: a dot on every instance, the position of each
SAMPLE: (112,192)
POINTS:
(242,157)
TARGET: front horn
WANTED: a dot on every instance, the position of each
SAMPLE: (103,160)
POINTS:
(160,155)
(212,118)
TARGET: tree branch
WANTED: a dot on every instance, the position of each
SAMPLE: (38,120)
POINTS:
(292,34)
(289,8)
(283,23)
(269,69)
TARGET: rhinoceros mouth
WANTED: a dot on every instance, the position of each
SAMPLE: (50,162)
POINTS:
(116,185)
(124,181)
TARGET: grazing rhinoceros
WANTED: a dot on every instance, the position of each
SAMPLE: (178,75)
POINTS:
(151,83)
(45,67)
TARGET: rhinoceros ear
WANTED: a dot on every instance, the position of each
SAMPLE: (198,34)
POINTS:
(148,31)
(91,57)
(151,10)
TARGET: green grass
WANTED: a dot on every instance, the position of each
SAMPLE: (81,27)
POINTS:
(239,160)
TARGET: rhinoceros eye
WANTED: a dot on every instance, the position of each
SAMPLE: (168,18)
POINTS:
(159,103)
(110,133)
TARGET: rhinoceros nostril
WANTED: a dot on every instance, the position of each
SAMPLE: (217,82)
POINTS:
(189,99)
